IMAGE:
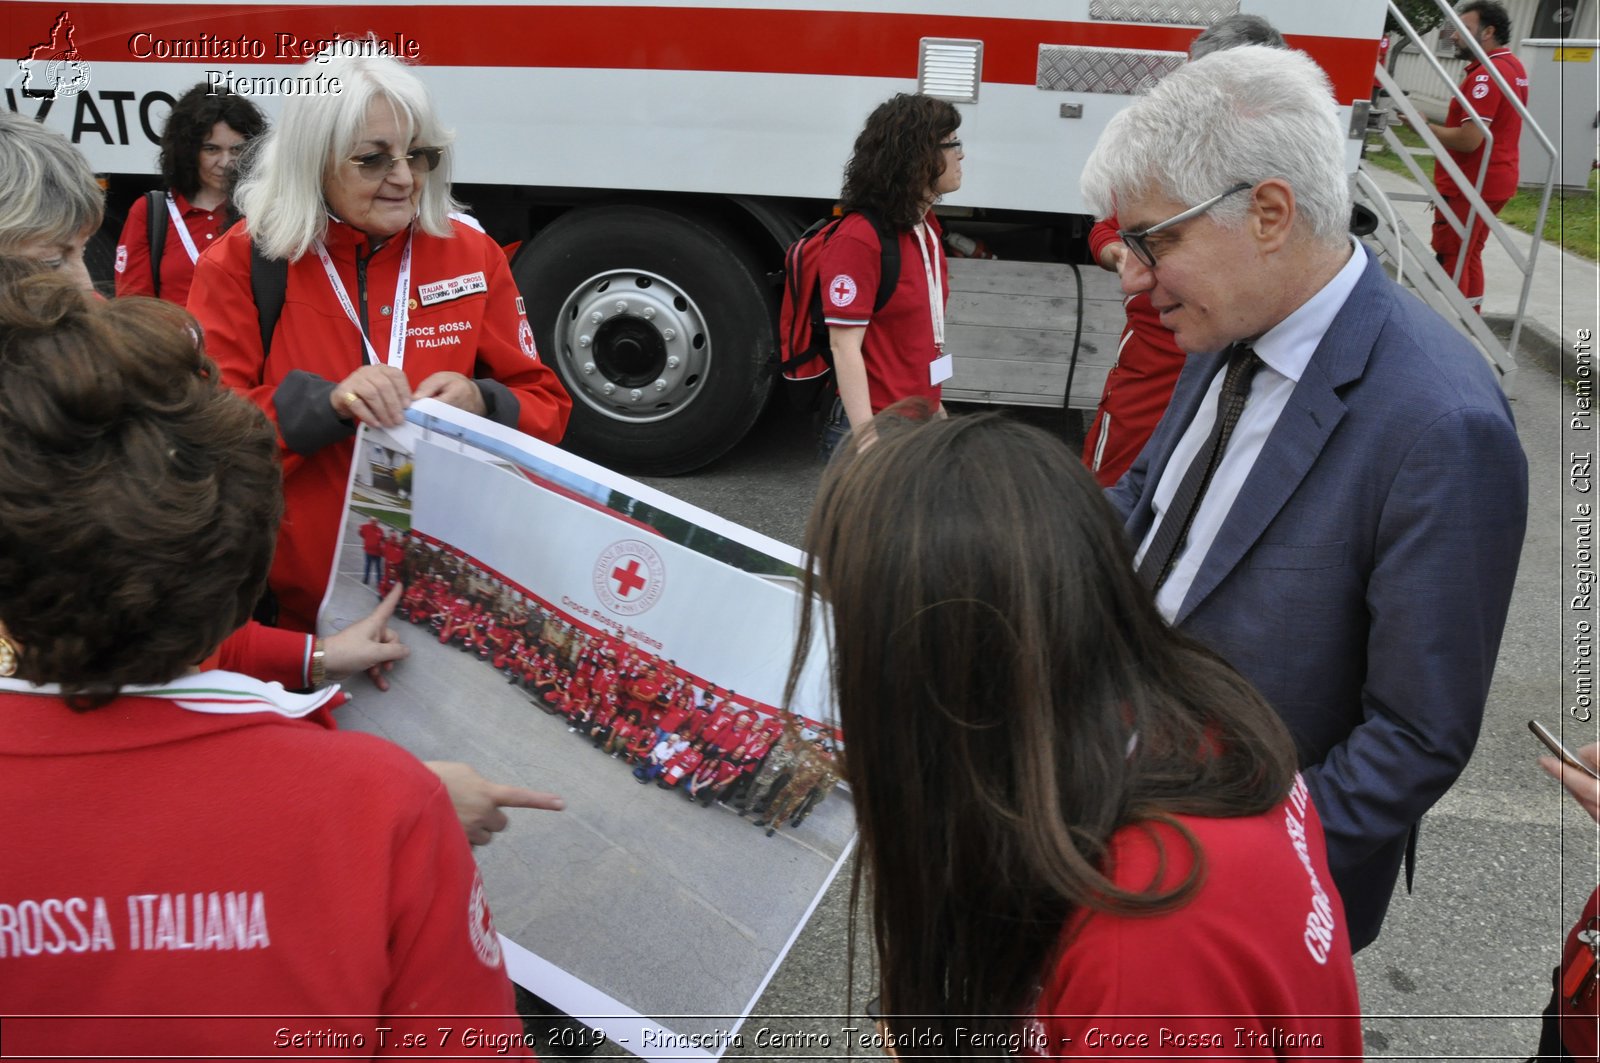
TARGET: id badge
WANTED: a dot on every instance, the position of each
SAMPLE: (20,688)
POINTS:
(941,369)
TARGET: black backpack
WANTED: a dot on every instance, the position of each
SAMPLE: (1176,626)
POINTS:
(269,284)
(155,202)
(803,350)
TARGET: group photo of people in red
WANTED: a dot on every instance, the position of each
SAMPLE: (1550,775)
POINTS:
(664,754)
(674,729)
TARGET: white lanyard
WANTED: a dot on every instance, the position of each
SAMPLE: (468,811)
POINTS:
(935,285)
(183,230)
(401,311)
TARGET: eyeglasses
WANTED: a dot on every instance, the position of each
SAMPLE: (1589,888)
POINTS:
(950,145)
(375,166)
(1135,238)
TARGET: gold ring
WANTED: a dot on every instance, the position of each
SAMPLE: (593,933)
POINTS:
(351,398)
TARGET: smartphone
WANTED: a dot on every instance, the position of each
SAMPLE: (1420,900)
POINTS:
(1567,756)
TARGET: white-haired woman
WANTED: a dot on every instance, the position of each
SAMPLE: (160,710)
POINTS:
(387,298)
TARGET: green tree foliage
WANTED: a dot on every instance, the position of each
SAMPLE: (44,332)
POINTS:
(1422,14)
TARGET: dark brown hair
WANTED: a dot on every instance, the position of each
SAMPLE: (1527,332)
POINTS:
(1490,14)
(139,499)
(1010,699)
(897,158)
(188,125)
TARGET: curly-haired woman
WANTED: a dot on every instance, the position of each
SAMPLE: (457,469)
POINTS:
(906,157)
(203,138)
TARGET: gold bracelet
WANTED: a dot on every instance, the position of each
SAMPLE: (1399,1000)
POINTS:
(319,664)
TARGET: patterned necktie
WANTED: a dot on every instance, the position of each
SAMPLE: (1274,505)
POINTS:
(1174,531)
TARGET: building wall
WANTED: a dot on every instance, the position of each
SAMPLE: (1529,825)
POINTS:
(1417,77)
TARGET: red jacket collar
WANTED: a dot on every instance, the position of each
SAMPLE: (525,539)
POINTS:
(1474,65)
(343,238)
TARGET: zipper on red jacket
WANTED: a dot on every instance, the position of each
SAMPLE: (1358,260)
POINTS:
(361,288)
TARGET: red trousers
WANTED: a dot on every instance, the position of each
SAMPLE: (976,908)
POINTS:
(1450,247)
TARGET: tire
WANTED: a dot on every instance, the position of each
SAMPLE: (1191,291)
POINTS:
(681,358)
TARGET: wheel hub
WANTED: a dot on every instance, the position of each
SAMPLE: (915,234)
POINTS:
(629,351)
(633,345)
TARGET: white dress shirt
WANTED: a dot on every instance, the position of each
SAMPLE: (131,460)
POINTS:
(1284,350)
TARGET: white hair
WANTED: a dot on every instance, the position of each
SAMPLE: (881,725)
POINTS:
(1245,114)
(47,188)
(280,193)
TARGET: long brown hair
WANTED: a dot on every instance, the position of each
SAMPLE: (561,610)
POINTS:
(1010,698)
(897,158)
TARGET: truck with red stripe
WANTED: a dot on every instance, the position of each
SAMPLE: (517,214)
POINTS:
(652,161)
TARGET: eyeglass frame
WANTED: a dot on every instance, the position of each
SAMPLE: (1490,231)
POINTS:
(1134,239)
(950,145)
(365,164)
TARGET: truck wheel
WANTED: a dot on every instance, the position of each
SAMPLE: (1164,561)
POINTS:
(659,325)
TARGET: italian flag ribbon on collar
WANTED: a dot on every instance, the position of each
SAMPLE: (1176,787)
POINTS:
(218,693)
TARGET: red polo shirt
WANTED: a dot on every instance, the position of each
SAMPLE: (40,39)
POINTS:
(898,345)
(134,276)
(1505,124)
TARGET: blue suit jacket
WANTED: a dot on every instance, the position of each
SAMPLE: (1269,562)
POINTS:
(1362,577)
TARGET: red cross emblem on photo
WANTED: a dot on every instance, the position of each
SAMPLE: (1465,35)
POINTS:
(629,577)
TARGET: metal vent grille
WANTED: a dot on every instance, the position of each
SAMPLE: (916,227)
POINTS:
(1176,12)
(950,69)
(1119,71)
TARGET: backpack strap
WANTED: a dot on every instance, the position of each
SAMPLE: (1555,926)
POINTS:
(155,224)
(269,284)
(888,257)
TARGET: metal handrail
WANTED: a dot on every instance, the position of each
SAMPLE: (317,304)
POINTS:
(1478,210)
(1442,156)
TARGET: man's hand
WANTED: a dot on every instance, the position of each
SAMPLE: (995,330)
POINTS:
(452,389)
(1584,789)
(478,801)
(369,645)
